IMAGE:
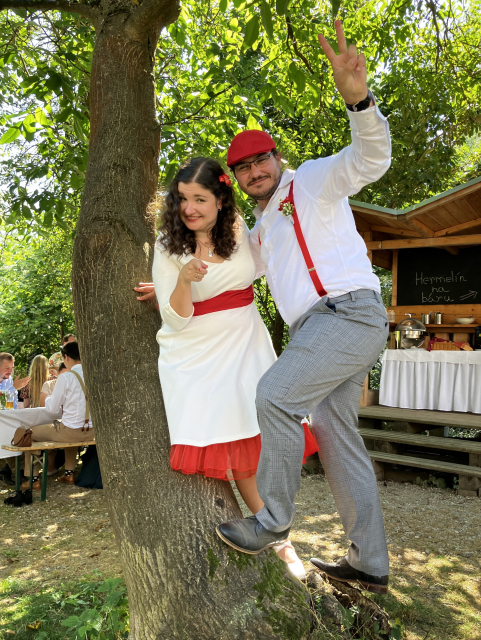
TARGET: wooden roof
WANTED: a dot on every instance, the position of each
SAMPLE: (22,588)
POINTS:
(448,220)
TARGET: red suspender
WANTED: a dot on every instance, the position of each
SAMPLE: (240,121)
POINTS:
(303,246)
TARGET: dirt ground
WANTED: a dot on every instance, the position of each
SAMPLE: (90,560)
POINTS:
(433,537)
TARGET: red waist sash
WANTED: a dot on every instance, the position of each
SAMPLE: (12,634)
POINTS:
(224,301)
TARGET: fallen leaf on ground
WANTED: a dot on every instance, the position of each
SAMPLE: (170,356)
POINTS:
(34,626)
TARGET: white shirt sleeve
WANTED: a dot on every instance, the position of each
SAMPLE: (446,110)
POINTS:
(165,274)
(365,160)
(54,403)
(255,246)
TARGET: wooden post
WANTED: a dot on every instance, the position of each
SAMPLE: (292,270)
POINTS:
(367,235)
(394,277)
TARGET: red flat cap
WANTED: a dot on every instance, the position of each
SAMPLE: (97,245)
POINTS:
(249,143)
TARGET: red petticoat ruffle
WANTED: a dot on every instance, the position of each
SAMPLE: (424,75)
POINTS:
(235,460)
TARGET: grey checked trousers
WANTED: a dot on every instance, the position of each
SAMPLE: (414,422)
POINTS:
(321,373)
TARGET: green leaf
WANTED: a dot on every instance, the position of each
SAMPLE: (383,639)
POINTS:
(251,31)
(281,7)
(75,181)
(54,83)
(223,5)
(77,127)
(64,115)
(178,34)
(298,77)
(335,4)
(10,135)
(170,172)
(252,123)
(213,49)
(48,218)
(266,17)
(60,222)
(28,123)
(28,82)
(41,118)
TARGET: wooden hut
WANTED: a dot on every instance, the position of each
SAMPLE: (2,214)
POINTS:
(446,225)
(433,250)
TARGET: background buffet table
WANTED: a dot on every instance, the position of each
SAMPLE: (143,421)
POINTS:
(439,380)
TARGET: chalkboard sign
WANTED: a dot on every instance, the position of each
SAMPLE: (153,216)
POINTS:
(430,276)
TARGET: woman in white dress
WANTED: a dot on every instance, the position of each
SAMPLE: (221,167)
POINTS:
(214,347)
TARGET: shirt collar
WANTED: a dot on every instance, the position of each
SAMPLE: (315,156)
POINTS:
(77,367)
(286,178)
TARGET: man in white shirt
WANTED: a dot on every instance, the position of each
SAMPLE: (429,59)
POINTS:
(7,383)
(69,398)
(327,293)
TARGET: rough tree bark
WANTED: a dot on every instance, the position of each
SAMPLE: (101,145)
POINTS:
(182,581)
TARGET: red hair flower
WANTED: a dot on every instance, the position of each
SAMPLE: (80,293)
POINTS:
(225,178)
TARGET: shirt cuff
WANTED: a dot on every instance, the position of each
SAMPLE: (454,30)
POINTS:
(365,120)
(172,318)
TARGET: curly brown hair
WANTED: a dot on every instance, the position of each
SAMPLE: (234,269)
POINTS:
(175,237)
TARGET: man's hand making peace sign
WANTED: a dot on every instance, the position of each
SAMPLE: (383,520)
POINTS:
(349,68)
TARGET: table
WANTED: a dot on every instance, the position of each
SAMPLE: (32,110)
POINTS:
(436,380)
(11,419)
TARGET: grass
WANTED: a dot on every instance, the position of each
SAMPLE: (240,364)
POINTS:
(92,608)
(443,607)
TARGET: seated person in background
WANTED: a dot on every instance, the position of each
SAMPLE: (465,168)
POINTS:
(54,362)
(38,374)
(45,392)
(75,426)
(49,385)
(7,383)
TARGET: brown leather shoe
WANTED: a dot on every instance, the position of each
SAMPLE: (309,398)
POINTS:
(66,479)
(36,485)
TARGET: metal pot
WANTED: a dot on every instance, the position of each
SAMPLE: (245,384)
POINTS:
(426,318)
(409,333)
(438,317)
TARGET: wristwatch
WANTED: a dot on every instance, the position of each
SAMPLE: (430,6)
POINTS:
(363,104)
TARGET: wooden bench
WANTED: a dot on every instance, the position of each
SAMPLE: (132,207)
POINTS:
(413,422)
(45,447)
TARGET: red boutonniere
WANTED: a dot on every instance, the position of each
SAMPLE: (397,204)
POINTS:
(224,178)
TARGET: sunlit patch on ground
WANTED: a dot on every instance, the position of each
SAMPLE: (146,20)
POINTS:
(433,540)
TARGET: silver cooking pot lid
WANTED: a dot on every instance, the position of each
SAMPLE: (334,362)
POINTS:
(410,324)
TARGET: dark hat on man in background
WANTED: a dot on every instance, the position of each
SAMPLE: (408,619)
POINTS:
(249,143)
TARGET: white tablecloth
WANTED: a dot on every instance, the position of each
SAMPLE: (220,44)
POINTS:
(11,419)
(439,380)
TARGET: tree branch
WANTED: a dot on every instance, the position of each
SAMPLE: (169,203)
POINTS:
(235,83)
(152,13)
(290,35)
(52,5)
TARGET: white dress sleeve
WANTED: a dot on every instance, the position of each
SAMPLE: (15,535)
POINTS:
(165,274)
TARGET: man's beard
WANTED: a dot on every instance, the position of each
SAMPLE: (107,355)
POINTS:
(269,191)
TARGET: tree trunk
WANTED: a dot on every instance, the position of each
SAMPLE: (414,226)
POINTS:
(182,581)
(277,328)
